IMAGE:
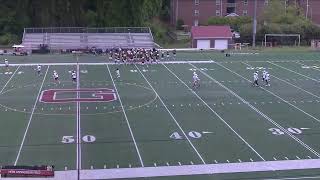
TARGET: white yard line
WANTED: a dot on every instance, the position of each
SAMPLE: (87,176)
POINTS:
(294,72)
(192,170)
(112,63)
(295,178)
(9,80)
(125,115)
(311,66)
(257,110)
(210,169)
(105,63)
(78,121)
(174,119)
(310,93)
(30,119)
(285,101)
(239,136)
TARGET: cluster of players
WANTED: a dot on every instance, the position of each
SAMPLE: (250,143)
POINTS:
(265,78)
(196,79)
(139,55)
(55,74)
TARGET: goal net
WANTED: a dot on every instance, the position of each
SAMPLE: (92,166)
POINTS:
(271,40)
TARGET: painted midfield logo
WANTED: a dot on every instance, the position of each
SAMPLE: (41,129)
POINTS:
(70,95)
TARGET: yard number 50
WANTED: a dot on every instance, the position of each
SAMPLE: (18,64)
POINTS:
(71,139)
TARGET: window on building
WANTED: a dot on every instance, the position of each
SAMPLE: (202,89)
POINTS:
(245,12)
(231,10)
(196,12)
(217,12)
(218,2)
(196,2)
(245,2)
(266,2)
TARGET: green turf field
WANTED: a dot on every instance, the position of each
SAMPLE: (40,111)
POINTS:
(151,124)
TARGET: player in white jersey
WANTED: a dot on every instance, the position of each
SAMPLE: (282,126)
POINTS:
(118,73)
(196,80)
(56,76)
(267,79)
(264,72)
(168,55)
(39,70)
(6,62)
(255,79)
(74,76)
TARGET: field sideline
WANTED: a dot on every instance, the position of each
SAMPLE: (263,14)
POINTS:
(152,124)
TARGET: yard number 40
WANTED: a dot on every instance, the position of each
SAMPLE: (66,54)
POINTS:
(71,139)
(192,134)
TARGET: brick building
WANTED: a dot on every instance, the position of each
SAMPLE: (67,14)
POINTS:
(197,12)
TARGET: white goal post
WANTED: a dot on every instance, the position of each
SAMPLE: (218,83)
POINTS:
(281,35)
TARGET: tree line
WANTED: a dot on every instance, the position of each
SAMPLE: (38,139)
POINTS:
(18,14)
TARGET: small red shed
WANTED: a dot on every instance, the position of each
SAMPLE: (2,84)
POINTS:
(205,37)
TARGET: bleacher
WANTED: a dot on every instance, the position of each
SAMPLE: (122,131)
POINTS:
(85,38)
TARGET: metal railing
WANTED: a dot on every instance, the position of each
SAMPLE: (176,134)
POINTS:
(88,30)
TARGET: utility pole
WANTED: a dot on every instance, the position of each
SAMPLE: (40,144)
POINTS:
(254,30)
(307,11)
(285,6)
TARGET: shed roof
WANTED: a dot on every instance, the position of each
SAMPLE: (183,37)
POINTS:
(199,32)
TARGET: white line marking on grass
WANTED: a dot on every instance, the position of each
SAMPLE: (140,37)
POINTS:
(257,110)
(202,169)
(239,136)
(95,64)
(125,115)
(78,166)
(293,85)
(9,80)
(293,71)
(30,119)
(275,95)
(174,119)
(295,178)
(310,66)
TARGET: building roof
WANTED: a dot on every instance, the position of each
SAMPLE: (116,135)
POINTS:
(200,32)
